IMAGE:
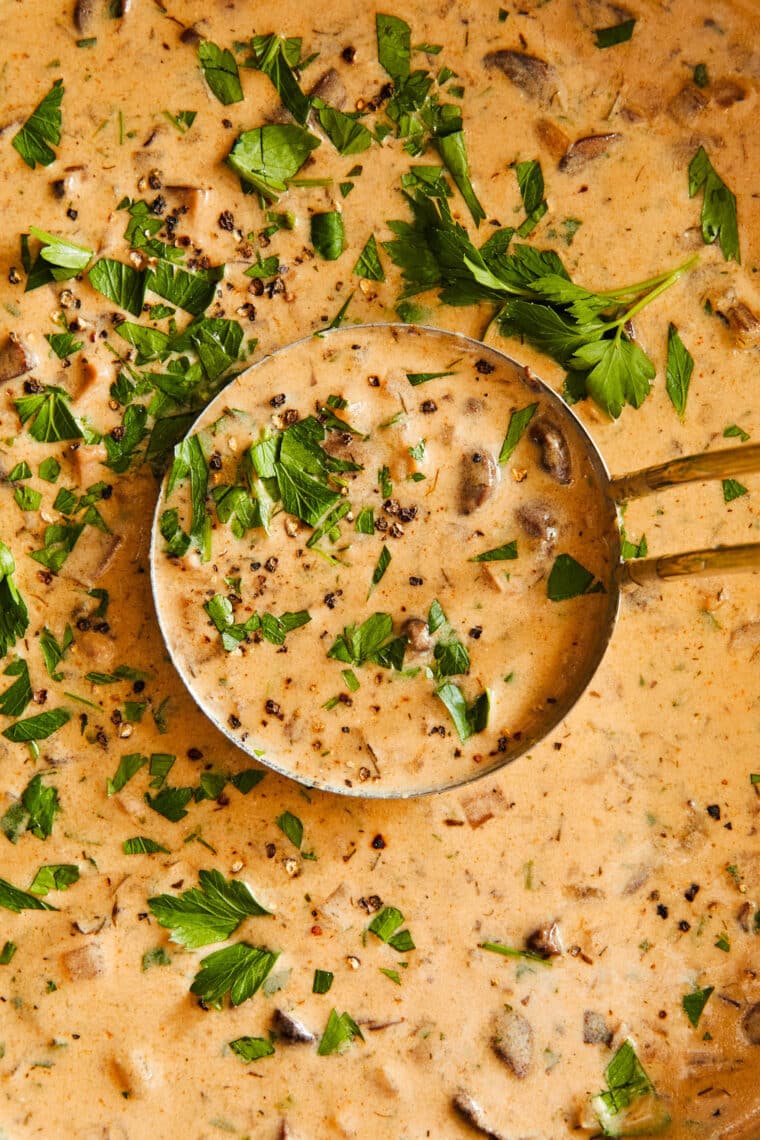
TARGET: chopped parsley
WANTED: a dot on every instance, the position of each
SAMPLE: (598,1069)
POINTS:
(38,727)
(35,811)
(220,72)
(371,641)
(275,57)
(530,179)
(208,913)
(512,952)
(680,365)
(17,696)
(328,235)
(48,411)
(120,283)
(42,130)
(238,970)
(383,562)
(385,926)
(14,616)
(252,1048)
(568,579)
(292,827)
(368,264)
(345,132)
(12,898)
(54,877)
(323,980)
(616,34)
(718,206)
(695,1002)
(142,845)
(340,1031)
(733,489)
(506,552)
(267,157)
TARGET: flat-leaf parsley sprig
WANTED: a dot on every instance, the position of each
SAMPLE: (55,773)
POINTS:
(587,332)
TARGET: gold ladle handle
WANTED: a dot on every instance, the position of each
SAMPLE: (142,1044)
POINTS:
(723,464)
(720,560)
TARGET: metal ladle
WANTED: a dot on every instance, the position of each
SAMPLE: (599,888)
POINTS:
(438,345)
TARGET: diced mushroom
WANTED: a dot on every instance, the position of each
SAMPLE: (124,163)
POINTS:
(331,89)
(470,1111)
(134,1072)
(546,940)
(290,1030)
(727,91)
(15,358)
(535,77)
(92,557)
(687,104)
(84,10)
(482,806)
(595,1029)
(745,639)
(555,453)
(85,962)
(478,480)
(585,150)
(417,635)
(512,1042)
(751,1024)
(538,521)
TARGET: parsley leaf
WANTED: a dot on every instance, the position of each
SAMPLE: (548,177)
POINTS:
(120,283)
(323,980)
(503,553)
(17,900)
(568,579)
(616,34)
(53,651)
(252,1048)
(129,765)
(142,845)
(511,952)
(59,541)
(385,926)
(42,130)
(220,72)
(271,55)
(266,157)
(394,46)
(211,912)
(468,719)
(694,1003)
(416,378)
(240,970)
(341,1029)
(451,658)
(530,179)
(54,877)
(718,205)
(518,422)
(291,826)
(18,695)
(383,562)
(733,431)
(368,264)
(452,150)
(620,373)
(679,368)
(121,450)
(733,489)
(627,1082)
(371,641)
(328,235)
(347,135)
(14,616)
(192,292)
(35,811)
(37,727)
(190,461)
(49,412)
(65,258)
(170,802)
(63,344)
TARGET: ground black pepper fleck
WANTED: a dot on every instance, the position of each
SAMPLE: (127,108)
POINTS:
(713,810)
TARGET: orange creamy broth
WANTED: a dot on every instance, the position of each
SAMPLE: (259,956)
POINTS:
(603,828)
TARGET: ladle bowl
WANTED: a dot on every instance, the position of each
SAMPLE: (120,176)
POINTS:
(194,645)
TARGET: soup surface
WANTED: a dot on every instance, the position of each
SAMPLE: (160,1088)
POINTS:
(192,944)
(418,538)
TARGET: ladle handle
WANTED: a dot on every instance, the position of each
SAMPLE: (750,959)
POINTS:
(721,560)
(723,464)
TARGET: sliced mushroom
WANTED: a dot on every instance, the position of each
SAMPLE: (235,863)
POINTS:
(595,1029)
(585,150)
(555,453)
(84,10)
(556,141)
(546,940)
(478,480)
(751,1024)
(417,635)
(687,104)
(512,1042)
(331,89)
(15,358)
(535,77)
(538,521)
(743,324)
(290,1029)
(470,1111)
(85,962)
